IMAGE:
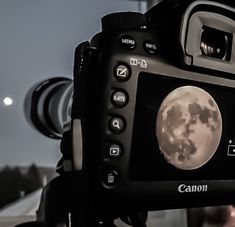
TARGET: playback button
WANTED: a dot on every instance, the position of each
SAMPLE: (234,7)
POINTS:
(114,151)
(231,150)
(122,73)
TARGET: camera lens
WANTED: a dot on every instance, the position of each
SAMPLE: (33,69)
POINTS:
(48,105)
(216,44)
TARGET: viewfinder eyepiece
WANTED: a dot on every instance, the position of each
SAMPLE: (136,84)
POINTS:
(216,43)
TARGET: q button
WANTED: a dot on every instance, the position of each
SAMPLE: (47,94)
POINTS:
(116,124)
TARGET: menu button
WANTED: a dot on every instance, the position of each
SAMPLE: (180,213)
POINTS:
(128,42)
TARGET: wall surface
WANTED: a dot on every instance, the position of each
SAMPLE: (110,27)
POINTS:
(37,41)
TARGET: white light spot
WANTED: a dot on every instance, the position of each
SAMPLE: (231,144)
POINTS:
(8,101)
(232,213)
(171,139)
(230,141)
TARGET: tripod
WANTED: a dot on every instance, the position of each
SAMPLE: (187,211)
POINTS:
(59,208)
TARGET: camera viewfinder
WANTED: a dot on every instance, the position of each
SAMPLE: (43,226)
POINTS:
(216,43)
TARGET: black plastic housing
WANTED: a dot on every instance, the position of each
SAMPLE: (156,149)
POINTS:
(174,42)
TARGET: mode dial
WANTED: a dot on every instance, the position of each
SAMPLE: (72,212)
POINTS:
(123,21)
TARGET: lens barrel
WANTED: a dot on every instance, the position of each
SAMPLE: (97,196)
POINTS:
(49,105)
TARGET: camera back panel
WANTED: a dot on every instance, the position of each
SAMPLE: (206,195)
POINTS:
(162,132)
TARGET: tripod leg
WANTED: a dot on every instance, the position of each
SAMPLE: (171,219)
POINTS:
(136,219)
(108,223)
(54,205)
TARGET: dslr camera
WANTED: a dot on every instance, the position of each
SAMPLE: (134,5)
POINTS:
(153,111)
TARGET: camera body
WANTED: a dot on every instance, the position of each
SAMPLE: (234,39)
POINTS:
(152,112)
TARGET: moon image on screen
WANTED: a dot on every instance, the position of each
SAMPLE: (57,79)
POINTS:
(188,127)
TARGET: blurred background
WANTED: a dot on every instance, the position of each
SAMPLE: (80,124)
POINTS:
(37,42)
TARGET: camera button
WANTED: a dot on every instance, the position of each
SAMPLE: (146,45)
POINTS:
(116,125)
(150,47)
(119,99)
(231,150)
(122,73)
(111,178)
(114,151)
(127,42)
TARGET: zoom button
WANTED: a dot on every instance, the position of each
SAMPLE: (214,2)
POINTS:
(119,99)
(116,125)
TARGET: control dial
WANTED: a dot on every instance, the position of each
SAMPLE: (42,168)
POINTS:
(123,21)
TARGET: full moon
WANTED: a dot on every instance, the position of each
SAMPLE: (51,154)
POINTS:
(188,127)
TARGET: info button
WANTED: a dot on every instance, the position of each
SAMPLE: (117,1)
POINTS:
(150,47)
(231,150)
